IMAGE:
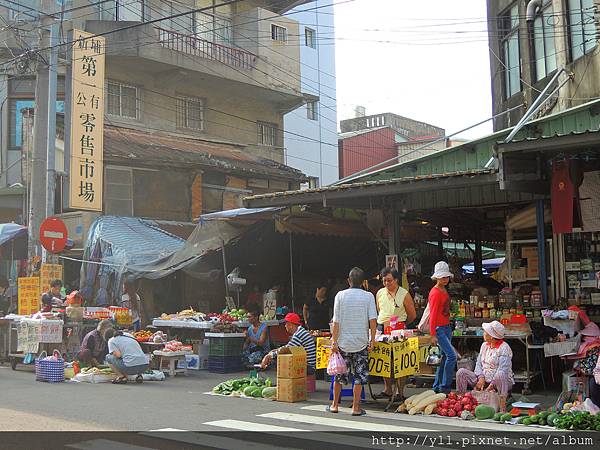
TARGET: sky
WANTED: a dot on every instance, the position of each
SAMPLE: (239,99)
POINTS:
(427,60)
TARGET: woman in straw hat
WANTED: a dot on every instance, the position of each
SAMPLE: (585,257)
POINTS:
(493,370)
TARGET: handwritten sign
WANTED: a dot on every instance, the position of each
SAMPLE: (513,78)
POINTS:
(28,337)
(406,357)
(51,331)
(48,273)
(28,295)
(380,360)
(87,121)
(323,352)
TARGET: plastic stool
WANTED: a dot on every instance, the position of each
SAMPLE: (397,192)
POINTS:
(346,392)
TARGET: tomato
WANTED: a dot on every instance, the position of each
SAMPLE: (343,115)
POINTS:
(459,398)
(458,408)
(442,412)
(466,401)
(445,404)
(435,411)
(469,395)
(469,407)
(451,413)
(452,395)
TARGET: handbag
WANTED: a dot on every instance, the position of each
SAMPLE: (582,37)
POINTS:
(489,398)
(50,369)
(424,322)
(336,365)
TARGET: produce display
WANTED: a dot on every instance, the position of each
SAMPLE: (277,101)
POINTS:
(264,317)
(224,317)
(319,333)
(256,387)
(176,346)
(239,314)
(454,405)
(97,371)
(142,336)
(224,327)
(185,315)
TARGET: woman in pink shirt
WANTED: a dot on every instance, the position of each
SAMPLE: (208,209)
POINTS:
(440,330)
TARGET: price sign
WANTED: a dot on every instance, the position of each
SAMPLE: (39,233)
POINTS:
(424,353)
(28,295)
(406,357)
(48,273)
(323,352)
(380,360)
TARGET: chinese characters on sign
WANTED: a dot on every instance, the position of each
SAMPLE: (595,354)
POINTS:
(406,357)
(28,295)
(87,121)
(48,273)
(323,352)
(380,360)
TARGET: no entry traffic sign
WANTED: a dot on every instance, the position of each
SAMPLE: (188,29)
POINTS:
(53,234)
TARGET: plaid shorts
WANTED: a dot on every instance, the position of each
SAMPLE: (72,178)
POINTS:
(358,366)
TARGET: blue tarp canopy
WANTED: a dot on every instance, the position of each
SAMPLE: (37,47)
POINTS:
(487,264)
(9,231)
(238,213)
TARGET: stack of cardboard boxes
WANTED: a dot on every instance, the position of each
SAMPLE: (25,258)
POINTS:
(291,374)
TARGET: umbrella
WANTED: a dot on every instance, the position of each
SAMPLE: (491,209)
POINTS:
(9,231)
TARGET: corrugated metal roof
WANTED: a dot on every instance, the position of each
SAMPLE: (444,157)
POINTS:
(350,134)
(364,184)
(163,148)
(475,154)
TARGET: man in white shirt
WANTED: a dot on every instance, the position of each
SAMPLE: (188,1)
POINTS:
(354,316)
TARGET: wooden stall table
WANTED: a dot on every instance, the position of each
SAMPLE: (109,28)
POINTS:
(171,359)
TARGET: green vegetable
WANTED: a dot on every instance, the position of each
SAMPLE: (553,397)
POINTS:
(257,393)
(527,421)
(597,427)
(521,419)
(542,421)
(544,414)
(551,418)
(268,382)
(483,412)
(535,419)
(269,392)
(505,417)
(248,391)
(498,416)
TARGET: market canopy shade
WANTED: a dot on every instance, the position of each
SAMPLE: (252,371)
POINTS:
(10,231)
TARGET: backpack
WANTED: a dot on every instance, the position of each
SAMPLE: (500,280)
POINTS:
(424,326)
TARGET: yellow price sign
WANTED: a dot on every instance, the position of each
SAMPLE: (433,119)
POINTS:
(406,357)
(323,352)
(380,360)
(28,295)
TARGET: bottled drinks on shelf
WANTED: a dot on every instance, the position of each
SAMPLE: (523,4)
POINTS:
(485,312)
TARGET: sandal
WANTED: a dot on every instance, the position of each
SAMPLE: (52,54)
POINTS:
(383,394)
(139,379)
(361,413)
(119,380)
(332,411)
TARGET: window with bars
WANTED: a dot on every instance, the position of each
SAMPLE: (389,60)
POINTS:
(582,26)
(278,33)
(267,134)
(310,37)
(123,100)
(118,191)
(508,28)
(215,24)
(311,110)
(543,42)
(190,113)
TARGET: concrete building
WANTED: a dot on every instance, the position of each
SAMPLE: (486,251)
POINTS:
(315,153)
(225,76)
(529,42)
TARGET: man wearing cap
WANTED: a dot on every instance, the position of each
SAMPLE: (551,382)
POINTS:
(493,370)
(300,338)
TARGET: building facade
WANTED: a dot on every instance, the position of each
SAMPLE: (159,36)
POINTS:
(529,42)
(223,78)
(310,136)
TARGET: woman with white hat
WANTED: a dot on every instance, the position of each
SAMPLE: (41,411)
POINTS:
(440,329)
(493,370)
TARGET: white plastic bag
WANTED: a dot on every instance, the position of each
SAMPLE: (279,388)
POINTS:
(336,364)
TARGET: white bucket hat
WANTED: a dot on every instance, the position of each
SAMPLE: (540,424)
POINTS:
(495,329)
(441,270)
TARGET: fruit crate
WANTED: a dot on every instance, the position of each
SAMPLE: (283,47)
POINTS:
(225,346)
(225,364)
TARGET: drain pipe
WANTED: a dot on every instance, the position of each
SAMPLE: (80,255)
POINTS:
(532,8)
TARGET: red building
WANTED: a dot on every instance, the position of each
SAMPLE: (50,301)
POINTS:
(359,150)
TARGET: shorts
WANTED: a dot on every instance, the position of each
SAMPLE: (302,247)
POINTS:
(380,327)
(121,367)
(358,366)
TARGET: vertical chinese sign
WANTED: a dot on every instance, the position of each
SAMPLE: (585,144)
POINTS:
(87,121)
(48,273)
(28,295)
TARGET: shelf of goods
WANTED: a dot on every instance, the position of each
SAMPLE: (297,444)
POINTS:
(205,325)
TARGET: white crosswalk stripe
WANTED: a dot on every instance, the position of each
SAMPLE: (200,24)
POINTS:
(241,425)
(350,423)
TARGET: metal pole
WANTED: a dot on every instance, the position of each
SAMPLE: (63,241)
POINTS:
(224,268)
(51,136)
(292,273)
(541,243)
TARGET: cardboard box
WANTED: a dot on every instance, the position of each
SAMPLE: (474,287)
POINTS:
(529,252)
(291,363)
(425,369)
(291,389)
(194,362)
(532,268)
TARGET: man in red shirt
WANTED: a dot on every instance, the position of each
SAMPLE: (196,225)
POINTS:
(440,330)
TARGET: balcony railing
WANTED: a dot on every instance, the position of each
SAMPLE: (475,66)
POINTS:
(194,46)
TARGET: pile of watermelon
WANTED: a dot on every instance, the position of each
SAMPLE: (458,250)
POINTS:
(255,387)
(455,404)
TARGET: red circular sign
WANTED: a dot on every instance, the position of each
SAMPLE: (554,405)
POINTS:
(53,234)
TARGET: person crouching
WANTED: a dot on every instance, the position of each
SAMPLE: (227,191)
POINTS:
(125,356)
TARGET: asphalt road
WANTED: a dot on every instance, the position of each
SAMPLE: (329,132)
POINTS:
(187,413)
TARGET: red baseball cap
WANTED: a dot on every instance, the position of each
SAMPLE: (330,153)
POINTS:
(293,318)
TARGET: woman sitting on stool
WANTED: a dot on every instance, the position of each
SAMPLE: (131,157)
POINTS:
(125,356)
(493,370)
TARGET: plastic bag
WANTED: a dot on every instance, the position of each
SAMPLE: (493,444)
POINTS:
(489,398)
(336,365)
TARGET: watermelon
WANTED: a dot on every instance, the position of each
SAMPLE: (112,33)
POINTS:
(269,392)
(483,412)
(257,392)
(249,390)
